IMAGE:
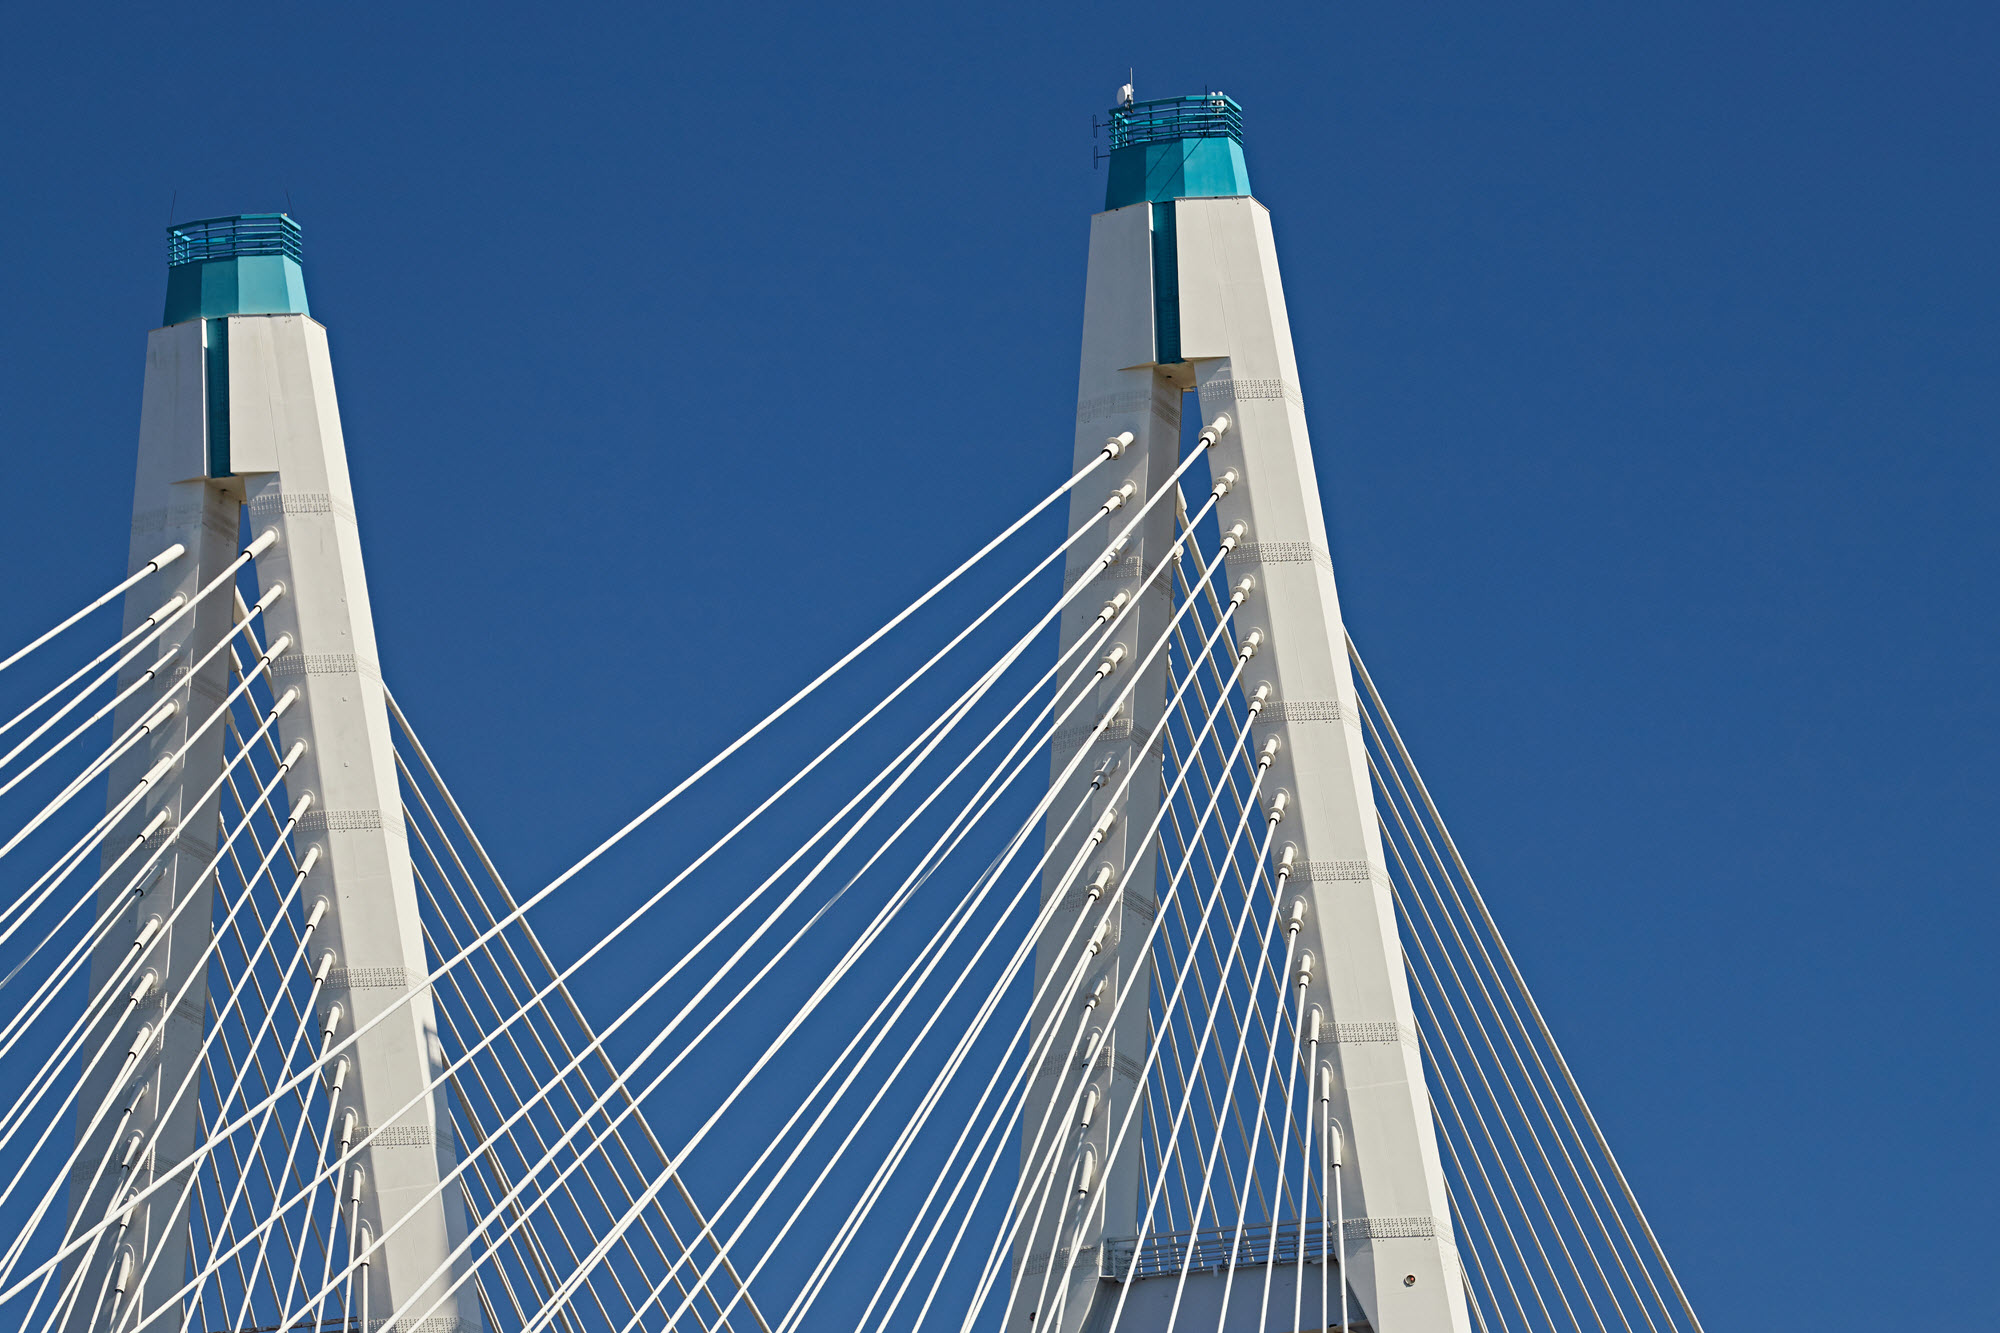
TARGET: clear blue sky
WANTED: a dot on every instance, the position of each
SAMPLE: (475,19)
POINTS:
(1652,364)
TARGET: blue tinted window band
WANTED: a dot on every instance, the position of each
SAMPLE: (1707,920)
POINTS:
(215,366)
(1166,287)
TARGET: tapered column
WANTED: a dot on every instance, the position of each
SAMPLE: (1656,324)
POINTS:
(1403,1263)
(1119,391)
(149,1049)
(287,448)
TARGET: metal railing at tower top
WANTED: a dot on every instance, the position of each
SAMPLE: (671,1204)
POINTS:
(227,238)
(1208,116)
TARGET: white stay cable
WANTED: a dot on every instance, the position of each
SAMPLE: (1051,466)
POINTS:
(154,774)
(160,561)
(1493,1052)
(196,972)
(1152,1056)
(1520,982)
(1472,1145)
(161,612)
(162,708)
(138,841)
(152,718)
(990,1268)
(79,953)
(770,919)
(1109,555)
(1175,879)
(1112,450)
(823,1268)
(932,734)
(269,1104)
(112,983)
(1241,1202)
(588,1032)
(512,999)
(1399,800)
(1229,1083)
(175,609)
(1291,1091)
(815,1001)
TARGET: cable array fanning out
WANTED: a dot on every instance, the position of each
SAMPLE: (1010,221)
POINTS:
(837,1057)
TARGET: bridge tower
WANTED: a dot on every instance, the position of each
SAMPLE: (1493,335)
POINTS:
(239,419)
(1184,296)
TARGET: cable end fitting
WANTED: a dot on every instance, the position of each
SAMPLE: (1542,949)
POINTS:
(1215,430)
(1116,446)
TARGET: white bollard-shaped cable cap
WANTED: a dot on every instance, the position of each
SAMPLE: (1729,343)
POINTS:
(1118,444)
(1215,430)
(1224,484)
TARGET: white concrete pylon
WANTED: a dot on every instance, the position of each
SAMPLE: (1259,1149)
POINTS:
(287,448)
(279,454)
(172,501)
(1183,294)
(1236,337)
(1118,393)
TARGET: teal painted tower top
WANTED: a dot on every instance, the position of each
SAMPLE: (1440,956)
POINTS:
(1176,148)
(248,264)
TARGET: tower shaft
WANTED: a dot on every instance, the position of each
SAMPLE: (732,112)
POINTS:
(240,417)
(1184,293)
